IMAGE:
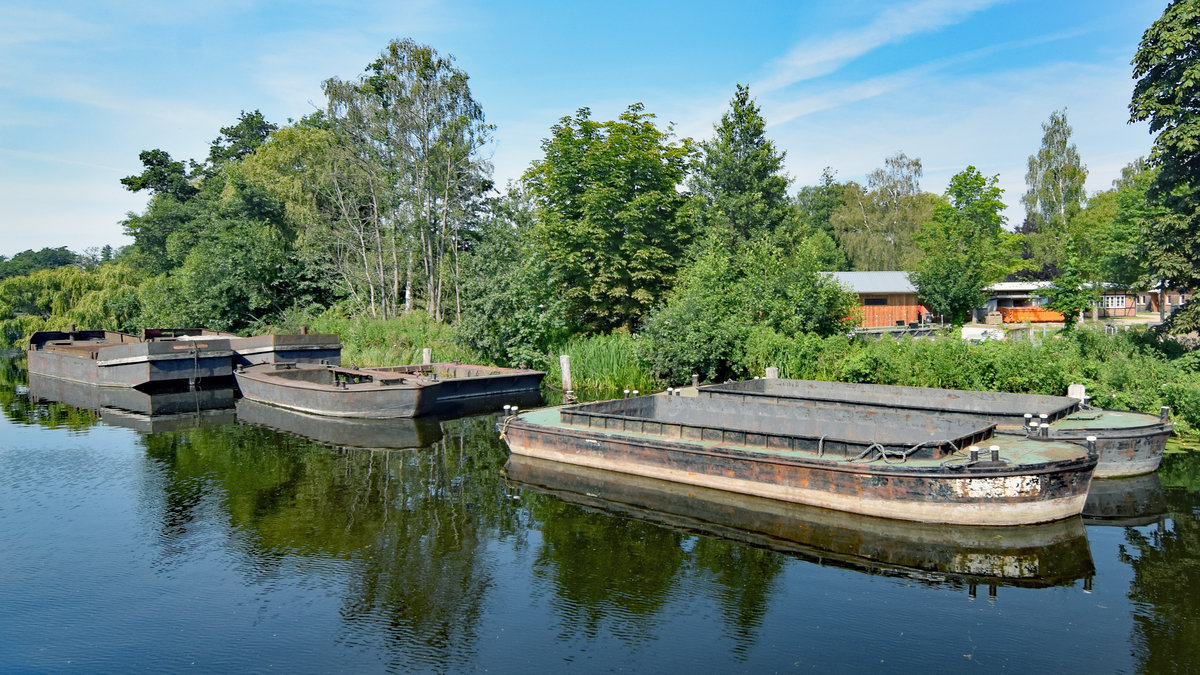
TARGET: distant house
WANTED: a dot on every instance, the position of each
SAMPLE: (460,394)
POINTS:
(1019,301)
(1117,302)
(1016,301)
(886,298)
(1151,300)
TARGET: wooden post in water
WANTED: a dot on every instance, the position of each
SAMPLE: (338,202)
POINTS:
(564,362)
(426,356)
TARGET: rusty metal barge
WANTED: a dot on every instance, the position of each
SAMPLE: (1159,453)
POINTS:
(1034,556)
(334,391)
(469,384)
(1127,443)
(301,347)
(111,359)
(905,465)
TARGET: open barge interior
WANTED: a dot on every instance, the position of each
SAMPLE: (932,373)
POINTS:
(813,433)
(1006,408)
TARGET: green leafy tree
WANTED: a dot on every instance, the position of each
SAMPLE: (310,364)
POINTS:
(240,140)
(510,314)
(739,177)
(965,245)
(1070,293)
(1108,233)
(27,262)
(817,203)
(403,178)
(607,195)
(726,295)
(876,226)
(1167,95)
(1055,180)
(162,176)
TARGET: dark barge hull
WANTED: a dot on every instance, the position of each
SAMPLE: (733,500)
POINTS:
(1127,443)
(285,348)
(111,359)
(754,449)
(1034,556)
(337,392)
(461,382)
(323,348)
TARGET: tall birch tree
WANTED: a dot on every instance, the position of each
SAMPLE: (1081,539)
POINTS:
(1055,178)
(403,178)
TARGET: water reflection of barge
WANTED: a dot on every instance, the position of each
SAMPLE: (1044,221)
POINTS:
(156,401)
(1051,554)
(1126,502)
(1127,443)
(905,465)
(157,409)
(351,432)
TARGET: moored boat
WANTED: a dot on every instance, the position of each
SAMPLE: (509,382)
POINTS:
(462,382)
(1043,555)
(1127,443)
(269,348)
(287,347)
(112,359)
(903,465)
(334,391)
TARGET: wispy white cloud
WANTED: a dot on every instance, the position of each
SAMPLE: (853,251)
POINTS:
(992,121)
(24,26)
(55,159)
(814,58)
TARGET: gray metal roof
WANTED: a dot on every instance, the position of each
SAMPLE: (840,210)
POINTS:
(875,282)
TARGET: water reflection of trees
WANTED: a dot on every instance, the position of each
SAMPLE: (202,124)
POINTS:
(617,574)
(1166,565)
(414,525)
(20,409)
(411,523)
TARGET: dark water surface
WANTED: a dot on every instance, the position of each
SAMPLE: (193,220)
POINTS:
(211,542)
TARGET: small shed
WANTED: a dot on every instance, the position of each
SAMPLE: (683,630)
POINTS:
(887,298)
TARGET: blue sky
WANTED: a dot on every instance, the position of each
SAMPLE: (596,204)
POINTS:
(86,85)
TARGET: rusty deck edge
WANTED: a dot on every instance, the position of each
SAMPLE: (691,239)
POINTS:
(1024,513)
(683,446)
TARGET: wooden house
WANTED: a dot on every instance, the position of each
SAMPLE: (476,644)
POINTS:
(886,298)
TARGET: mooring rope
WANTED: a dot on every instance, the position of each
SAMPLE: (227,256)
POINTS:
(895,456)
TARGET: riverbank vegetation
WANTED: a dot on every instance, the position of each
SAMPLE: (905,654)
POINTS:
(647,257)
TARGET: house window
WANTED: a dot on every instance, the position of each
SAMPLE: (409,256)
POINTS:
(1141,299)
(874,302)
(1114,302)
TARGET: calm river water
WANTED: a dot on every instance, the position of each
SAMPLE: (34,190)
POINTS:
(211,541)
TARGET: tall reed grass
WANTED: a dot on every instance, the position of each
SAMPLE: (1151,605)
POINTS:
(393,342)
(604,365)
